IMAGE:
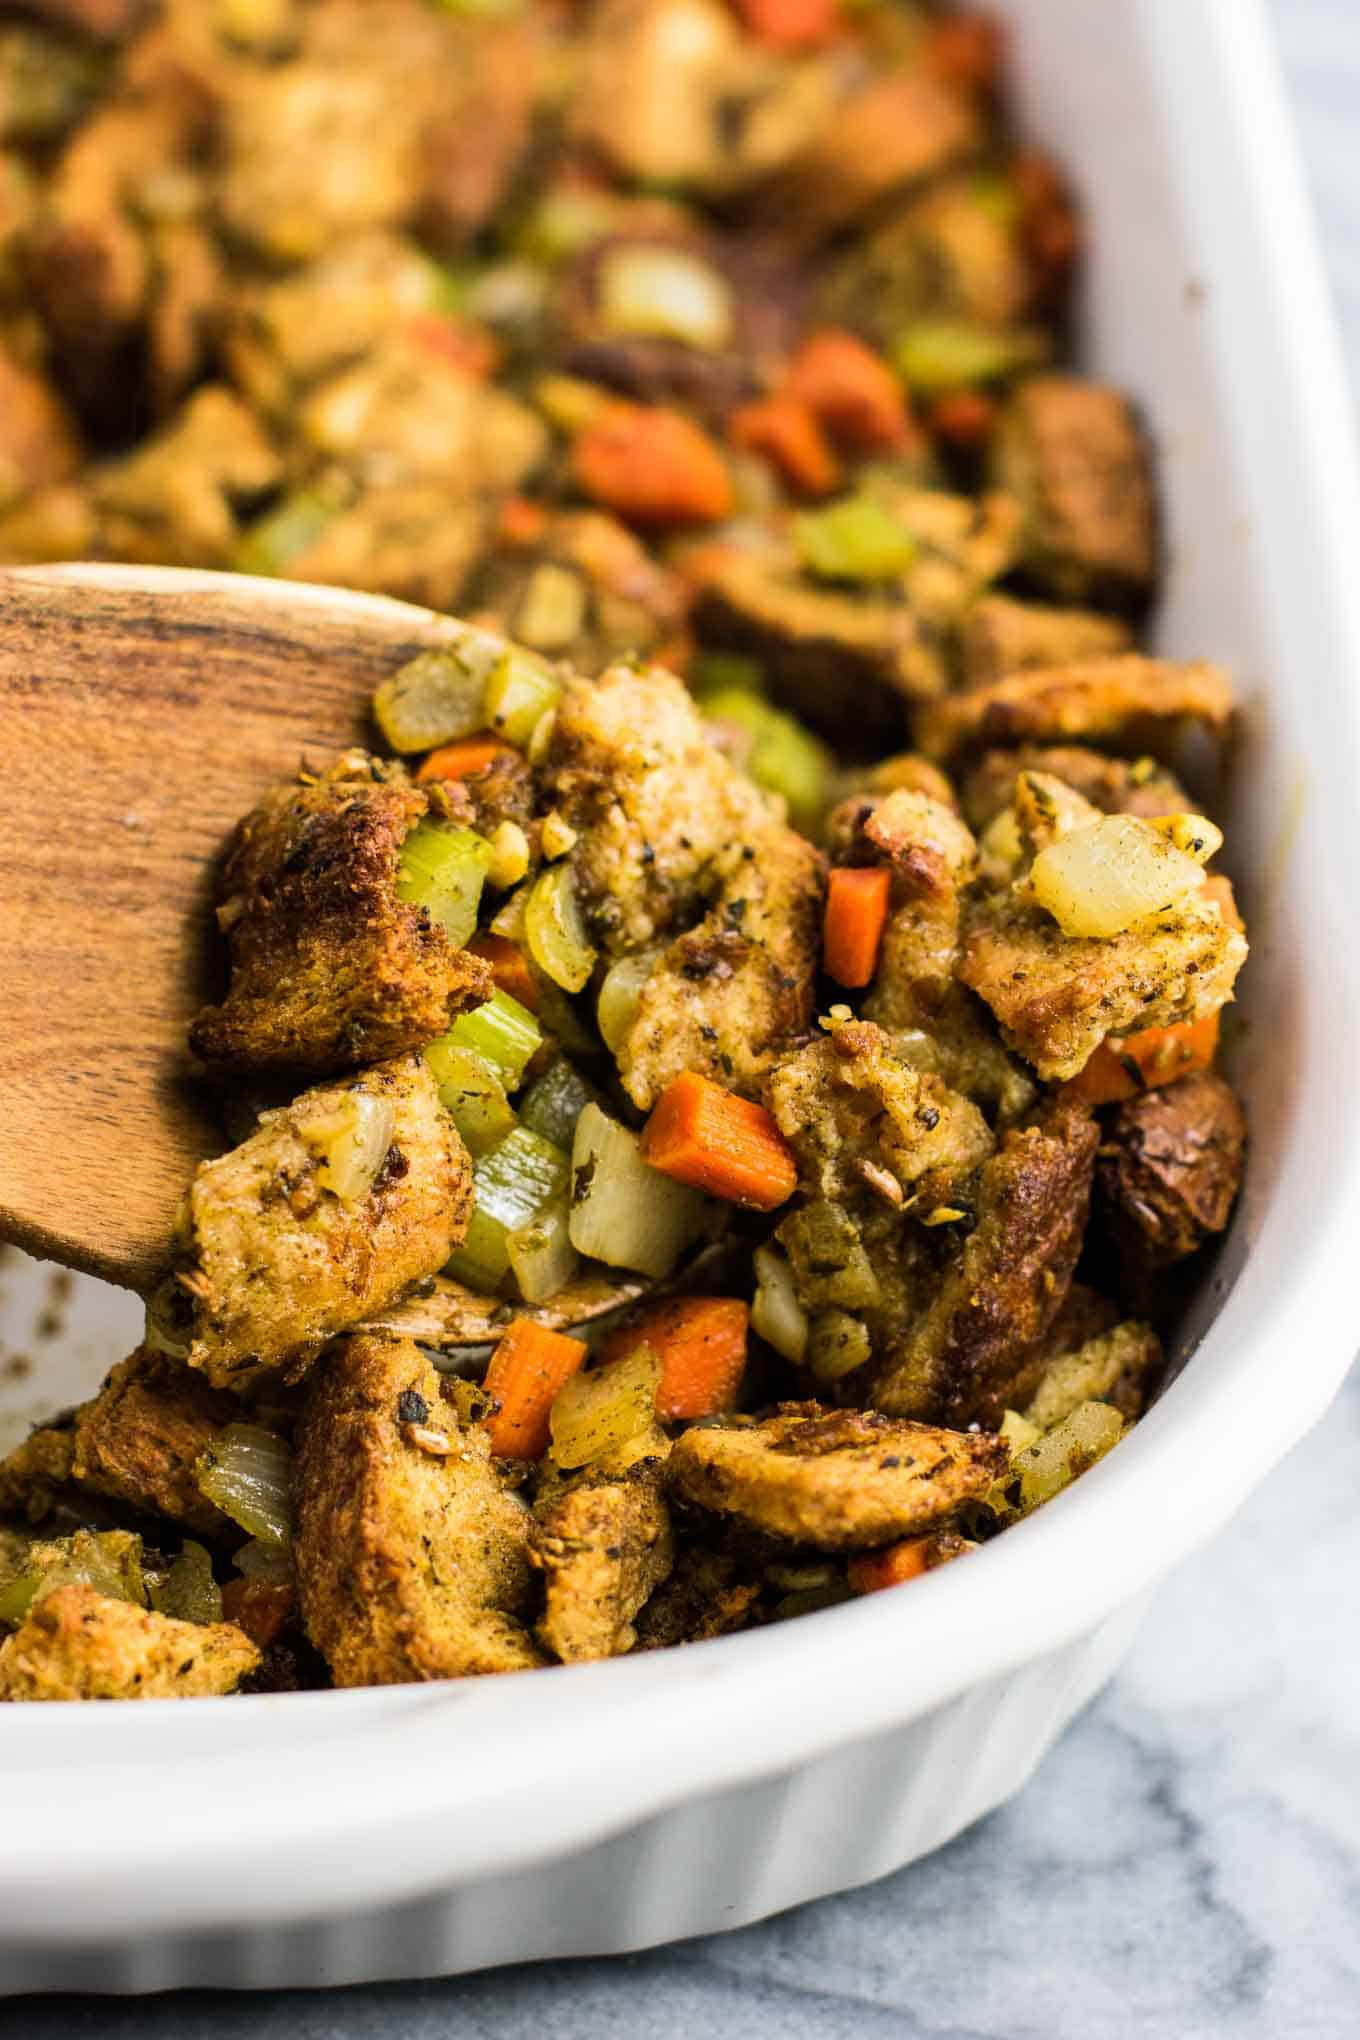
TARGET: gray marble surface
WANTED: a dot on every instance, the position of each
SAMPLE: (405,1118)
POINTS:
(1187,1862)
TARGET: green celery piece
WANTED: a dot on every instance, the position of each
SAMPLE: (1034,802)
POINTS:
(519,692)
(937,355)
(856,539)
(504,1033)
(552,1106)
(443,870)
(510,1186)
(785,758)
(722,673)
(472,1094)
(282,534)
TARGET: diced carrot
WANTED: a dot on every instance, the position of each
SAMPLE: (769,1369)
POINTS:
(963,419)
(652,465)
(856,911)
(522,521)
(525,1374)
(786,431)
(1124,1067)
(966,51)
(791,24)
(461,760)
(509,968)
(465,347)
(701,1344)
(260,1607)
(891,1568)
(852,391)
(708,1137)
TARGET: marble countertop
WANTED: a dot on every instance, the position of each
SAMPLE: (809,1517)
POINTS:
(1186,1863)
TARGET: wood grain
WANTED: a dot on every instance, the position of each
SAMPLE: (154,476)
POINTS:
(142,712)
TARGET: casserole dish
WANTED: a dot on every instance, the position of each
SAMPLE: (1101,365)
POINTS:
(335,1837)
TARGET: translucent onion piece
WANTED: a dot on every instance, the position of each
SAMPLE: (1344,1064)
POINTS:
(542,1257)
(1064,1453)
(444,870)
(188,1591)
(437,696)
(1100,880)
(623,1212)
(598,1414)
(502,1032)
(472,1094)
(667,292)
(352,1139)
(555,931)
(271,1563)
(247,1473)
(837,1344)
(620,992)
(110,1561)
(776,1314)
(518,692)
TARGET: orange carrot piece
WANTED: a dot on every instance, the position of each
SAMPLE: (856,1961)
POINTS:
(786,431)
(709,1138)
(525,1374)
(522,521)
(510,969)
(963,419)
(461,760)
(891,1568)
(966,51)
(260,1607)
(652,465)
(1124,1067)
(852,391)
(856,913)
(462,346)
(701,1344)
(791,24)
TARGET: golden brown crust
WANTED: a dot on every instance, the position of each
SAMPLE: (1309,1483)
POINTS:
(34,1470)
(411,1564)
(1073,455)
(276,1264)
(708,1594)
(603,1547)
(139,1439)
(77,1645)
(977,1346)
(1001,636)
(329,967)
(1170,1170)
(841,1480)
(1131,703)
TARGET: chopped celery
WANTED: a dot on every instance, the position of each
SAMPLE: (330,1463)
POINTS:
(504,1033)
(188,1591)
(247,1471)
(666,292)
(857,539)
(443,870)
(598,1413)
(542,1257)
(785,758)
(471,1093)
(437,696)
(717,672)
(556,932)
(517,695)
(511,1185)
(937,355)
(282,534)
(553,1105)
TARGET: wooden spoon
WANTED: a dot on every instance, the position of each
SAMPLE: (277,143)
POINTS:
(143,711)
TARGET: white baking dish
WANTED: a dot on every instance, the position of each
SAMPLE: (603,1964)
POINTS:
(332,1837)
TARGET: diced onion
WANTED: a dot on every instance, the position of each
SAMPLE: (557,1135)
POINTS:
(519,691)
(352,1137)
(667,292)
(837,1344)
(188,1591)
(622,1211)
(1196,835)
(552,610)
(776,1314)
(437,696)
(598,1414)
(542,1257)
(556,932)
(444,870)
(620,994)
(271,1563)
(1019,1433)
(247,1472)
(472,1094)
(1065,1452)
(1100,880)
